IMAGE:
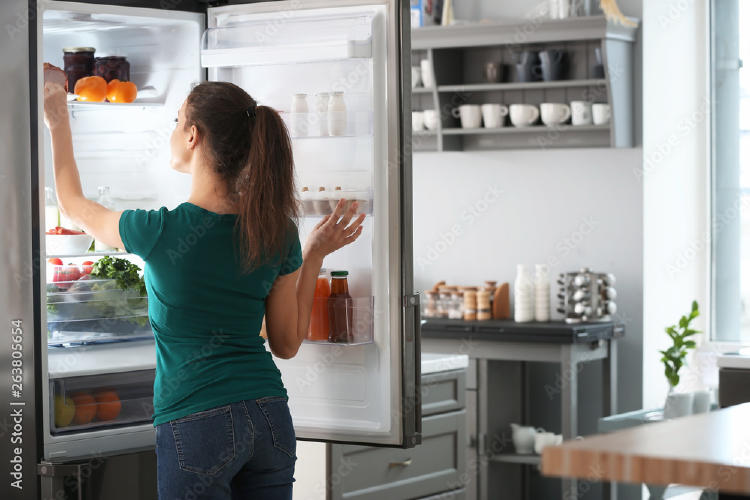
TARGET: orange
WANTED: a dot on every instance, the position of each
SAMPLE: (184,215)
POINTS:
(91,88)
(118,91)
(85,408)
(108,405)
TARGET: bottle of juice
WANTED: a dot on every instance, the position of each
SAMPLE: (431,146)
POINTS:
(340,308)
(319,323)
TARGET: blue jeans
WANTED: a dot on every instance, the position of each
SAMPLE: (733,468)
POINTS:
(238,451)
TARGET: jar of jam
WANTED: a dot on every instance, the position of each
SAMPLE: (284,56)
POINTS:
(78,63)
(112,67)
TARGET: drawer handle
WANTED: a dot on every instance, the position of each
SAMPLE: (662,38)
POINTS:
(404,463)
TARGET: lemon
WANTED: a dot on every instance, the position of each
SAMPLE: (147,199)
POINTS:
(65,409)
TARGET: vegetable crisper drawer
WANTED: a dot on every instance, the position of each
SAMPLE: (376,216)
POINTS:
(96,402)
(95,310)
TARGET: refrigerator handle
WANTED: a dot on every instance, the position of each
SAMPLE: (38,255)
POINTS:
(412,340)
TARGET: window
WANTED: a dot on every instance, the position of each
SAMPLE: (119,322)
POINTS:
(730,172)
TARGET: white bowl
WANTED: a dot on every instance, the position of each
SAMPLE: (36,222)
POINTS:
(68,244)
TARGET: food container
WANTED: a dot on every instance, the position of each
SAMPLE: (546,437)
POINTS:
(112,67)
(67,244)
(86,310)
(83,403)
(78,63)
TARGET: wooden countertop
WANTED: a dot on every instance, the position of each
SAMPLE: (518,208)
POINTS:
(711,450)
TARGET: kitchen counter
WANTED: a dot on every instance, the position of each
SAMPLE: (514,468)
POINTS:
(711,450)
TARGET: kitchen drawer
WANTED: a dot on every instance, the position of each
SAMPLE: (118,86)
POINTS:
(448,495)
(443,392)
(435,466)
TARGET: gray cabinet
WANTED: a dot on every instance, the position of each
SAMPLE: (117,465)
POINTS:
(432,470)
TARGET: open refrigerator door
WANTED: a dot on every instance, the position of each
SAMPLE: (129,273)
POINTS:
(98,360)
(333,71)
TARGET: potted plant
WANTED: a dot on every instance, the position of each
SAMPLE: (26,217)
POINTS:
(673,358)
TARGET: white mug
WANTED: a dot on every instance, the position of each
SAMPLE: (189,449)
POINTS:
(427,76)
(430,119)
(523,115)
(554,113)
(416,76)
(417,120)
(470,114)
(581,112)
(601,113)
(494,115)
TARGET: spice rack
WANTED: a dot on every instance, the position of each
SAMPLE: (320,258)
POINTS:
(457,55)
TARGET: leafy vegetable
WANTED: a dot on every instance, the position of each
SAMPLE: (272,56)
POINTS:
(125,273)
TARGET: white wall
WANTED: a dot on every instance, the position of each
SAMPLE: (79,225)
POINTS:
(675,176)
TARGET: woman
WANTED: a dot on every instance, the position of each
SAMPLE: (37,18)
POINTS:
(223,428)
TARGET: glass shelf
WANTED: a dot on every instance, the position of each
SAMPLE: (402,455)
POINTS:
(87,254)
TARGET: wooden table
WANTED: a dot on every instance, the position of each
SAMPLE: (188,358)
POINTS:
(711,450)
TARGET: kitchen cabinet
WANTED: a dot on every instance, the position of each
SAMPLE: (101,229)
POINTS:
(434,469)
(457,55)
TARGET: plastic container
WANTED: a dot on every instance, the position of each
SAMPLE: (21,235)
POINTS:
(84,403)
(88,311)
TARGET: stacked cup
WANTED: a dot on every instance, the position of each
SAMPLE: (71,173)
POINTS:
(524,295)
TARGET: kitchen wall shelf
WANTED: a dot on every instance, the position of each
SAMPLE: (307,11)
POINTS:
(457,55)
(489,87)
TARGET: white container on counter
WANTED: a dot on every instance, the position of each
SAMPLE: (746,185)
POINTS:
(337,114)
(541,293)
(523,295)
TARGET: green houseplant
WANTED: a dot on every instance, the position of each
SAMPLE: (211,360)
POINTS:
(678,404)
(674,356)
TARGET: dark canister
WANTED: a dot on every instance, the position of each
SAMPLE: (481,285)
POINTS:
(113,67)
(78,62)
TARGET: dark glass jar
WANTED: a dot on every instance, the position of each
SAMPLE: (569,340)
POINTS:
(112,67)
(78,63)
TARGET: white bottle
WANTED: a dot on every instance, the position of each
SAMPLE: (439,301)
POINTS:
(337,114)
(51,214)
(299,115)
(321,108)
(523,295)
(106,201)
(541,293)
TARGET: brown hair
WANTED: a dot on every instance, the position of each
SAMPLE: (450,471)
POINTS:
(250,148)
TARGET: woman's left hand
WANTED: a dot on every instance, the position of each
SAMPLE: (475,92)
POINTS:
(55,105)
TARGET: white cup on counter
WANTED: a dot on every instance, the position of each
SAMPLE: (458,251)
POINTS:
(601,113)
(431,118)
(427,77)
(416,76)
(417,121)
(494,115)
(554,113)
(523,115)
(470,115)
(580,112)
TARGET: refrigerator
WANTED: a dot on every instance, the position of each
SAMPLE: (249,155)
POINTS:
(78,358)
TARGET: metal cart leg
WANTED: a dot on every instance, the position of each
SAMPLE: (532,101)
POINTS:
(609,400)
(569,393)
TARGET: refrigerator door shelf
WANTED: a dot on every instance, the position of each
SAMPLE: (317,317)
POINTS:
(288,54)
(358,320)
(114,253)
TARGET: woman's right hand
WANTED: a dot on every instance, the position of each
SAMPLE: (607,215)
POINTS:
(334,231)
(55,105)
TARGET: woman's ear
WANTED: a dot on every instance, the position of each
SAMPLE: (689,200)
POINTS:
(193,138)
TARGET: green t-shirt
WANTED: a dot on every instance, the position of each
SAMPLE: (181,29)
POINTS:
(205,312)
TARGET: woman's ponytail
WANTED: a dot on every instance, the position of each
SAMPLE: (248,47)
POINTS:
(267,202)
